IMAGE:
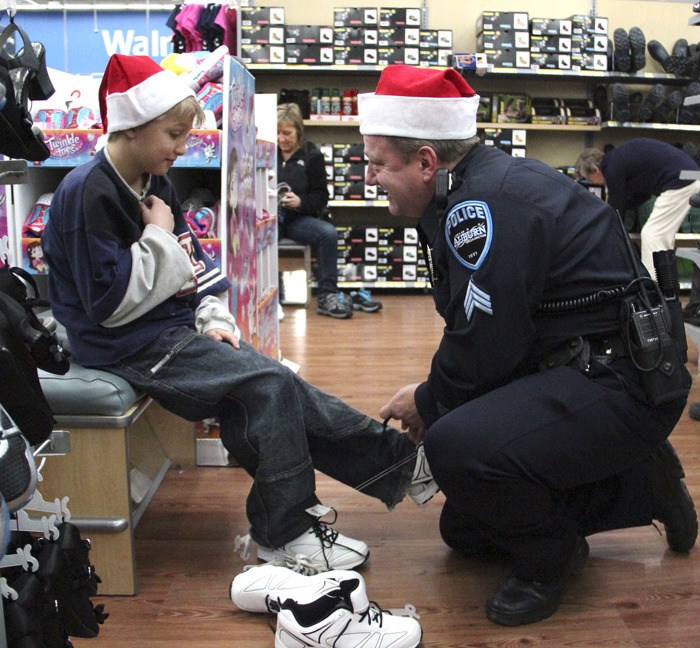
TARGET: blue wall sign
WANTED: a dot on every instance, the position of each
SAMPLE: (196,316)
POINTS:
(81,42)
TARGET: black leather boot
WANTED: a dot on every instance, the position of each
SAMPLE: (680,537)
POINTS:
(651,103)
(518,602)
(621,103)
(623,52)
(659,53)
(637,49)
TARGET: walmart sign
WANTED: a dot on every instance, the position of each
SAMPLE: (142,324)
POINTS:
(81,42)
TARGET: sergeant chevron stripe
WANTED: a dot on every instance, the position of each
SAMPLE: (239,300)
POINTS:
(476,298)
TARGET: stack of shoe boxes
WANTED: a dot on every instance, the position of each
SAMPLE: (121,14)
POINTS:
(308,44)
(356,34)
(347,174)
(399,36)
(380,254)
(511,40)
(589,37)
(504,37)
(262,35)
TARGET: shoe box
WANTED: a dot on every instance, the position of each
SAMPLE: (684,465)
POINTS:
(308,54)
(355,55)
(380,254)
(398,54)
(511,140)
(262,16)
(261,53)
(309,34)
(356,17)
(551,27)
(355,36)
(400,17)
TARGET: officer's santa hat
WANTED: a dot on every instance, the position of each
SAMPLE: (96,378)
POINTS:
(420,103)
(135,90)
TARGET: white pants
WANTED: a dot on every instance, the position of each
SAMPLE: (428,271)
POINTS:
(659,232)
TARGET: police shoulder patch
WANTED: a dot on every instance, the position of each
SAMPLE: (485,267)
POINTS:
(469,230)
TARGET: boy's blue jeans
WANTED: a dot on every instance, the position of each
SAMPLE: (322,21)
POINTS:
(276,425)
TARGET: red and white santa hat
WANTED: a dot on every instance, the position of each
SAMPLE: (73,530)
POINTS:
(420,103)
(135,90)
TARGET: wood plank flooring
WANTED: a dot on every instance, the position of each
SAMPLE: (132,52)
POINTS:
(633,592)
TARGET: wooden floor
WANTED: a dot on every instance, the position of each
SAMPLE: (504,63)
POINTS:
(633,593)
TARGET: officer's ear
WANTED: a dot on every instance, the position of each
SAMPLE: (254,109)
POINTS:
(428,162)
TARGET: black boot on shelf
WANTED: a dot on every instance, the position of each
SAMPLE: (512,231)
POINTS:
(669,111)
(623,52)
(637,49)
(621,103)
(601,101)
(651,103)
(690,114)
(659,53)
(636,99)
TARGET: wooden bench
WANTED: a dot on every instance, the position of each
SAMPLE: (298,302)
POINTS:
(122,444)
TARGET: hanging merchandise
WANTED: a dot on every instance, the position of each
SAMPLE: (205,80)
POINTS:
(23,77)
(198,27)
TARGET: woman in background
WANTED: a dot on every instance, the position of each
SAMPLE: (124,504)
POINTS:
(301,167)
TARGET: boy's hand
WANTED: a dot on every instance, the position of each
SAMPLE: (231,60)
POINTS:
(155,211)
(224,335)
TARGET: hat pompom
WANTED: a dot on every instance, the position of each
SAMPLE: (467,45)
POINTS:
(420,103)
(136,90)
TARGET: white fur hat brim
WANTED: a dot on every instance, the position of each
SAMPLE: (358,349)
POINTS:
(144,102)
(451,118)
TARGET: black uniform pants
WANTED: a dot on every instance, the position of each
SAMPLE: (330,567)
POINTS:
(558,454)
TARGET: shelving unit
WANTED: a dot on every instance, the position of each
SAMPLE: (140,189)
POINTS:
(557,145)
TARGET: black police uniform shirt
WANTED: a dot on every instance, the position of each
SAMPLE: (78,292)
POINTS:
(515,233)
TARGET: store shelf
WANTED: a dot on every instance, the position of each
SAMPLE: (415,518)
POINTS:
(689,128)
(358,203)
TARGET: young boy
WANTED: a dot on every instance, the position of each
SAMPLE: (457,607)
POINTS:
(139,298)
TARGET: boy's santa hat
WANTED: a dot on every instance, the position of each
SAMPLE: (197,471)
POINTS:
(420,103)
(135,90)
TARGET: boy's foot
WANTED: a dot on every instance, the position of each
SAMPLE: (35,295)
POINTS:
(674,507)
(265,587)
(334,305)
(423,486)
(343,617)
(362,300)
(320,549)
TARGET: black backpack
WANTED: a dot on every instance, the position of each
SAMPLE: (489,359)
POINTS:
(26,345)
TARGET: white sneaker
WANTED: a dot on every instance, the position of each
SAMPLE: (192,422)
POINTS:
(264,588)
(320,549)
(423,486)
(344,618)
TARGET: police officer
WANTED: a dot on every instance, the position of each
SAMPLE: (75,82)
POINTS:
(534,418)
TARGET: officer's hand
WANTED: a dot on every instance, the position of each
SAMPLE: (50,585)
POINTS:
(224,335)
(155,211)
(402,407)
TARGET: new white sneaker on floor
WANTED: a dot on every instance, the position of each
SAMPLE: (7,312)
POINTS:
(423,486)
(343,618)
(264,588)
(320,549)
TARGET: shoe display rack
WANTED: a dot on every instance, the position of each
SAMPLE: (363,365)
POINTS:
(558,145)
